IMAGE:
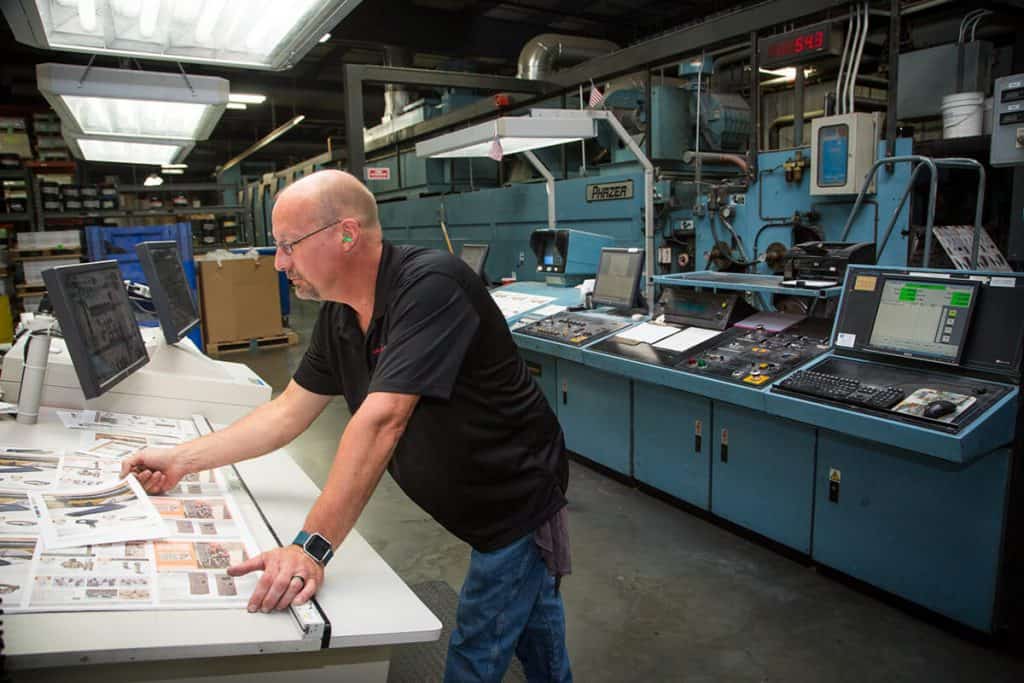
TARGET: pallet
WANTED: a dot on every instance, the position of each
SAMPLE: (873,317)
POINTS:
(286,338)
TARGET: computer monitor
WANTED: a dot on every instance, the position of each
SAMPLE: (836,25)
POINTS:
(475,255)
(618,277)
(172,297)
(97,322)
(927,319)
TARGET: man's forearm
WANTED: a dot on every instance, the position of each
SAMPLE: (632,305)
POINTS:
(267,428)
(366,446)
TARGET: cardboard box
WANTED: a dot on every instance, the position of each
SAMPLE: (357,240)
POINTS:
(239,298)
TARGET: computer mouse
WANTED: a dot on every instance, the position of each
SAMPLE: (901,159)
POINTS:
(937,409)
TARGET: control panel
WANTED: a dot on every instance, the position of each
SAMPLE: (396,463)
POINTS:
(1008,121)
(757,357)
(842,152)
(575,329)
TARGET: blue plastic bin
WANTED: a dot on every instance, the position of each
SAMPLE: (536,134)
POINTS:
(105,243)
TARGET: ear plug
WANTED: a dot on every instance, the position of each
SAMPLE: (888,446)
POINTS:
(346,238)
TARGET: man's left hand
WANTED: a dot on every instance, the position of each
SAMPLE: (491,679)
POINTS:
(290,577)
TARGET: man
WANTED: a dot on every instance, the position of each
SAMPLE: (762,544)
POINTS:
(440,397)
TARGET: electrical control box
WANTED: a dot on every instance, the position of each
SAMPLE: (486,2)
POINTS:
(842,152)
(1008,121)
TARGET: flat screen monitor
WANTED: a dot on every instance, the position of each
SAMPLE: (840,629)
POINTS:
(618,277)
(172,297)
(97,322)
(475,256)
(926,319)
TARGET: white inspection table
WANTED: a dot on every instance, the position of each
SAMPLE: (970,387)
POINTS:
(363,609)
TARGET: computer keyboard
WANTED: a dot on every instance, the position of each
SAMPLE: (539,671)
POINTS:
(843,389)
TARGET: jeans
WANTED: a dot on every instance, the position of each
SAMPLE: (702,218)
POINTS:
(508,604)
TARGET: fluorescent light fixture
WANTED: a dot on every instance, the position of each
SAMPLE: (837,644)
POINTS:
(325,37)
(515,133)
(167,166)
(153,180)
(137,104)
(172,171)
(237,105)
(126,150)
(260,34)
(246,98)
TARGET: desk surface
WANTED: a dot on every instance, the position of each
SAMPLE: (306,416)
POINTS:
(365,601)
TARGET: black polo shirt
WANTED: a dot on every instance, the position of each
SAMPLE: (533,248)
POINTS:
(483,452)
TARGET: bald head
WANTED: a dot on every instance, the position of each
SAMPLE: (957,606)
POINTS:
(329,195)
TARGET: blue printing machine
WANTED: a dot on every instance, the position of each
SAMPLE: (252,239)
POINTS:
(919,512)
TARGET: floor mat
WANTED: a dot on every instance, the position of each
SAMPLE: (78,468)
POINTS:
(424,662)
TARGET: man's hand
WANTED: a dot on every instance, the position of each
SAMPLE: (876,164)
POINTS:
(290,577)
(157,469)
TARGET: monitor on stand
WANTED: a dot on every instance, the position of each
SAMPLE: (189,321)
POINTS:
(97,322)
(475,256)
(618,278)
(168,286)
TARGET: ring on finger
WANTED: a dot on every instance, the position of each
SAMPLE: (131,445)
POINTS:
(302,579)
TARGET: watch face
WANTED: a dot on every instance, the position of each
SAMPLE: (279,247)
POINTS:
(317,546)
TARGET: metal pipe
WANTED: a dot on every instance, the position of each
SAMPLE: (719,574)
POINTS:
(963,162)
(263,142)
(798,107)
(893,86)
(932,194)
(549,181)
(648,202)
(755,97)
(789,118)
(717,158)
(899,209)
(540,57)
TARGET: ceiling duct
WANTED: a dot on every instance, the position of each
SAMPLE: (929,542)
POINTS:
(548,51)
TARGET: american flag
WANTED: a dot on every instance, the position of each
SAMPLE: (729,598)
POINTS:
(596,98)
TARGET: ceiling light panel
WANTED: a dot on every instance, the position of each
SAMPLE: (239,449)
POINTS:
(126,151)
(262,34)
(146,104)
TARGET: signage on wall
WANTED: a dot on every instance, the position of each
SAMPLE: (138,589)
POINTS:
(604,192)
(377,173)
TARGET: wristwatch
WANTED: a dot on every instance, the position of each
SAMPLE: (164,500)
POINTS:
(316,546)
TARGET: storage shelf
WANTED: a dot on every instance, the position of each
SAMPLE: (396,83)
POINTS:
(743,282)
(142,213)
(23,217)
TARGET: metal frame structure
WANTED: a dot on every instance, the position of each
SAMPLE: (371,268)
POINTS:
(356,75)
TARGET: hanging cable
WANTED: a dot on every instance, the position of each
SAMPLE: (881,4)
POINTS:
(842,62)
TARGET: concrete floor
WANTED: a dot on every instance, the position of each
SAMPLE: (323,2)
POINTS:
(661,595)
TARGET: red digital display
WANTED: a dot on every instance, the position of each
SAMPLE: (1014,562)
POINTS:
(796,46)
(811,42)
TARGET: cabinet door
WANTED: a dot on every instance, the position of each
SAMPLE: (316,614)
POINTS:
(545,372)
(925,529)
(672,442)
(594,409)
(762,474)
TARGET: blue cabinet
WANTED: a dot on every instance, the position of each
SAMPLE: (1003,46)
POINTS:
(922,528)
(762,474)
(672,442)
(545,372)
(594,409)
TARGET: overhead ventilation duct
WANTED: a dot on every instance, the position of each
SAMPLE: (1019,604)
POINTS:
(549,51)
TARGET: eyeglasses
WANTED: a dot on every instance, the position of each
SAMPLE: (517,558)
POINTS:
(288,247)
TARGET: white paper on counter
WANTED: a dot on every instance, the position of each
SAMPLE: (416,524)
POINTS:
(648,333)
(686,339)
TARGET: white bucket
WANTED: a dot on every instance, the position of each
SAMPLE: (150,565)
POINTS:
(962,114)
